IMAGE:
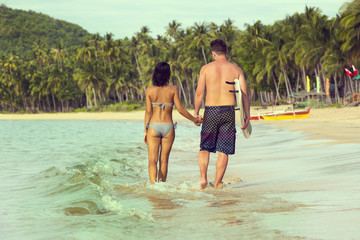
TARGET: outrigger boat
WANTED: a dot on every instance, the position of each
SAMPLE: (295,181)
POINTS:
(282,115)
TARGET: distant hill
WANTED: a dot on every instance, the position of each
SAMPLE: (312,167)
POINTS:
(19,30)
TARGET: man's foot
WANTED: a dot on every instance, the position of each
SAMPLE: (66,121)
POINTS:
(203,184)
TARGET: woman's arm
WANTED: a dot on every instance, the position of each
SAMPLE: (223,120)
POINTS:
(182,110)
(148,113)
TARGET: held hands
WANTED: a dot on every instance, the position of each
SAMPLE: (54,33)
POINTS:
(199,120)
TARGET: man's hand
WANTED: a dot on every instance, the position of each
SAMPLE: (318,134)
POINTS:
(200,119)
(247,120)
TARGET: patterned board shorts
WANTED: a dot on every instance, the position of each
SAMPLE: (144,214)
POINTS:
(218,131)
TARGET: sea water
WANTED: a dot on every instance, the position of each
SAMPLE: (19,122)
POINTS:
(65,179)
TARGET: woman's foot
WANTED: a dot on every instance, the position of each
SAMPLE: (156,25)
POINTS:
(203,184)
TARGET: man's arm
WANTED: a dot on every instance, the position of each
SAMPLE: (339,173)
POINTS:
(200,91)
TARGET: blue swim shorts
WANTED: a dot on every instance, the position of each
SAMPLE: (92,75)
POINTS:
(218,132)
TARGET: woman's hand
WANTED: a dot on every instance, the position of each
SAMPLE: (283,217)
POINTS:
(145,137)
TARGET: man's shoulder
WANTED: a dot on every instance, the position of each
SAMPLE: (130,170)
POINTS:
(234,65)
(235,68)
(206,66)
(210,64)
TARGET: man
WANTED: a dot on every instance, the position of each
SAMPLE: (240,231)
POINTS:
(218,130)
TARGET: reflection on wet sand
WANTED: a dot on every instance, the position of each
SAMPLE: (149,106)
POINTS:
(223,203)
(163,203)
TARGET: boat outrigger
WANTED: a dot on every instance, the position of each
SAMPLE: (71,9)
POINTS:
(282,115)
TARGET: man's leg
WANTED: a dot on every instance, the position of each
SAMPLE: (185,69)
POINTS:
(225,142)
(221,165)
(203,164)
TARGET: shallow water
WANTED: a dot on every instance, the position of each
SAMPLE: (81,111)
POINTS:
(89,180)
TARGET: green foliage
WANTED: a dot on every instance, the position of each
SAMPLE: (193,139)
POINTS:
(48,65)
(111,106)
(337,105)
(123,106)
(20,29)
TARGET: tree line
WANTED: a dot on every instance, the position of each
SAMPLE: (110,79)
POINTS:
(275,58)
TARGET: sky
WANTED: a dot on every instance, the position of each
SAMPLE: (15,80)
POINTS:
(124,18)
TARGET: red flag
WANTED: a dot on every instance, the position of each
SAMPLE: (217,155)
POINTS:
(354,70)
(349,73)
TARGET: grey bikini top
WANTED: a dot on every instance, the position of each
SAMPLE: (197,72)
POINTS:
(162,105)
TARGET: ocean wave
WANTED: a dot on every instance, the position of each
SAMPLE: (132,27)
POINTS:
(89,188)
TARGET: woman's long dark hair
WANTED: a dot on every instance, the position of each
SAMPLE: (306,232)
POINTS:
(161,74)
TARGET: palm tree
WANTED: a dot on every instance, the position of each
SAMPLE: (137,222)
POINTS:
(200,38)
(88,78)
(351,29)
(172,30)
(311,43)
(255,34)
(87,75)
(59,54)
(10,65)
(229,33)
(250,54)
(290,28)
(334,58)
(109,50)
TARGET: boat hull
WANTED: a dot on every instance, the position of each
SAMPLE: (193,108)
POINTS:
(282,115)
(285,117)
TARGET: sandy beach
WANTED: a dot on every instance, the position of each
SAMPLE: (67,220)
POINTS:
(340,124)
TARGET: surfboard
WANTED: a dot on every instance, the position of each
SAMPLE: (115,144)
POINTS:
(240,108)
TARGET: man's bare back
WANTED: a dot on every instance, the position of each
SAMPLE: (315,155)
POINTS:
(213,78)
(216,74)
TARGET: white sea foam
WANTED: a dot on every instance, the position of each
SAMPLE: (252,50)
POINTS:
(184,189)
(111,205)
(140,214)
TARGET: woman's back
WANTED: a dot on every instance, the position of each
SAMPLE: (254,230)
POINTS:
(162,101)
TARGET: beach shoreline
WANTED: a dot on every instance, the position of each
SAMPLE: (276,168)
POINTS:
(340,124)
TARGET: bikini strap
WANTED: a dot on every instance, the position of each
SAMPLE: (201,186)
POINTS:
(162,105)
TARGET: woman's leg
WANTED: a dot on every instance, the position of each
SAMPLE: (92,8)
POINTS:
(166,145)
(153,153)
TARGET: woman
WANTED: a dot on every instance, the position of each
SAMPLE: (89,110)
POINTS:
(159,126)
